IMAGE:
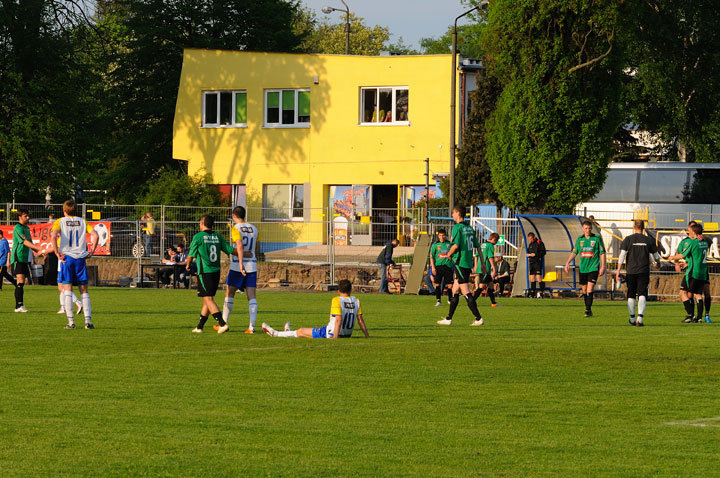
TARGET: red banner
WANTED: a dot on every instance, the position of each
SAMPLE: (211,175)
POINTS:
(41,236)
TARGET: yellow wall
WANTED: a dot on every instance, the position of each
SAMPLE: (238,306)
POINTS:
(335,149)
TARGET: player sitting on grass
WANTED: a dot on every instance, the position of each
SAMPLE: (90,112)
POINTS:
(343,312)
(206,246)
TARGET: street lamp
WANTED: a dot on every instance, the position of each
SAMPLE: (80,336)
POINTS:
(483,5)
(328,10)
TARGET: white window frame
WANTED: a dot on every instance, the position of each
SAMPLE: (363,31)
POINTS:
(377,89)
(233,107)
(291,208)
(279,124)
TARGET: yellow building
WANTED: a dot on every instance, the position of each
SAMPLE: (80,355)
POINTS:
(300,135)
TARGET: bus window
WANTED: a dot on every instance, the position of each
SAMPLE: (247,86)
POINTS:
(662,186)
(703,187)
(619,186)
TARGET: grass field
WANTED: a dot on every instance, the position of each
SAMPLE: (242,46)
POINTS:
(538,390)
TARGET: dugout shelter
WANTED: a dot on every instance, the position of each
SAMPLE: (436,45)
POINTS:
(559,233)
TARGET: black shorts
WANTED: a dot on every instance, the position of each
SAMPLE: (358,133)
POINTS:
(208,284)
(683,284)
(486,279)
(637,284)
(586,277)
(444,275)
(462,275)
(696,286)
(535,268)
(20,268)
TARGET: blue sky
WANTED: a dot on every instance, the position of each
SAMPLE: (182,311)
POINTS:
(409,19)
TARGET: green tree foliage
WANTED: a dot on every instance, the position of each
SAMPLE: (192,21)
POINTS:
(468,42)
(144,71)
(175,188)
(550,139)
(675,74)
(48,124)
(322,36)
(473,177)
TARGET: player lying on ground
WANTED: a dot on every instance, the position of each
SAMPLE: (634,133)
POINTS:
(343,312)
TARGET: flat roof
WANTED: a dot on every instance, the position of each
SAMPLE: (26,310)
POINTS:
(667,165)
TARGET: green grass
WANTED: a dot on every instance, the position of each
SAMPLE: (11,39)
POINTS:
(538,390)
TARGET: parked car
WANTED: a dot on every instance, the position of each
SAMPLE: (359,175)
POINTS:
(127,240)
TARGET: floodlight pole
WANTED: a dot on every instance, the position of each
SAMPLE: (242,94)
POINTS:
(453,86)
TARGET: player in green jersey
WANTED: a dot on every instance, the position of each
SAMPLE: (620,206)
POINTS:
(487,281)
(461,252)
(206,247)
(21,258)
(441,265)
(696,274)
(591,250)
(686,297)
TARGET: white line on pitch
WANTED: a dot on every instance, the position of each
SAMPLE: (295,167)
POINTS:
(700,422)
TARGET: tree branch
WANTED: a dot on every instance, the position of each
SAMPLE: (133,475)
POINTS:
(596,59)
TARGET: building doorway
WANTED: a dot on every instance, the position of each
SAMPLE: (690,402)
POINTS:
(384,213)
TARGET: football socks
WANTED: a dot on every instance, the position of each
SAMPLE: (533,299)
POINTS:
(642,303)
(19,295)
(227,308)
(631,306)
(252,311)
(87,310)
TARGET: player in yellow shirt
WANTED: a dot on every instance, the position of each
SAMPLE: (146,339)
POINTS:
(68,241)
(345,309)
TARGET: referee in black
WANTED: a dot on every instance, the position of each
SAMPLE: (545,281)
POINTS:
(637,249)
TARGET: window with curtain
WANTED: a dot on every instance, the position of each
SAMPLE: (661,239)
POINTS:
(287,108)
(224,109)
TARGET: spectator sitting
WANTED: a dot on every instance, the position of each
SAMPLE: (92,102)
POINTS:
(168,259)
(183,274)
(503,273)
(429,278)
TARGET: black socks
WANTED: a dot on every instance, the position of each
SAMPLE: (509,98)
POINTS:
(19,295)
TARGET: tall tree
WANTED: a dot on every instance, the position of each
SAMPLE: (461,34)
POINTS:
(144,73)
(45,99)
(473,176)
(321,36)
(550,138)
(675,74)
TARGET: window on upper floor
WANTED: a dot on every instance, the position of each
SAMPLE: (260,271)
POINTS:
(283,201)
(384,105)
(287,108)
(224,109)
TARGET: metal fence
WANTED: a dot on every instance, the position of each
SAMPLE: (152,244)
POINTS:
(309,251)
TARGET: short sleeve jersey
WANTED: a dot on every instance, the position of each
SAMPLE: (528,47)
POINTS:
(72,241)
(638,248)
(589,249)
(439,253)
(488,252)
(464,237)
(683,245)
(249,235)
(20,251)
(206,247)
(696,257)
(348,308)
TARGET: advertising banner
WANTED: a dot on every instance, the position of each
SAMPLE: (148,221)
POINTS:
(41,235)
